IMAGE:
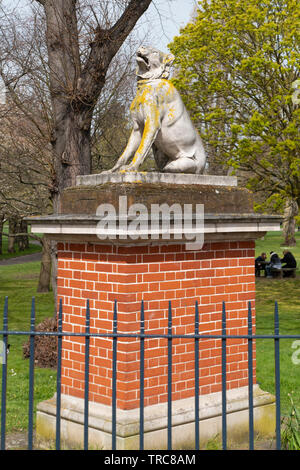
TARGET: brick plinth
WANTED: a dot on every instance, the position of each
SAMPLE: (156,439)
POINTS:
(221,271)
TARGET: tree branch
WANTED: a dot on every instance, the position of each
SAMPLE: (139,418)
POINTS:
(25,234)
(104,47)
(128,20)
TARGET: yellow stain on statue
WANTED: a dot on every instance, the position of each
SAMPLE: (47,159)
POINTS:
(142,148)
(155,105)
(164,89)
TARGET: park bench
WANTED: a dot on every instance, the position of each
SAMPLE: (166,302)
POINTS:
(278,272)
(290,270)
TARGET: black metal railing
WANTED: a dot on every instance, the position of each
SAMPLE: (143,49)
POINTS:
(142,335)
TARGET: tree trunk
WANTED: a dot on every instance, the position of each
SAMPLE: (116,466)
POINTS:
(45,270)
(289,224)
(72,153)
(68,139)
(12,229)
(75,88)
(1,231)
(53,248)
(23,241)
(24,229)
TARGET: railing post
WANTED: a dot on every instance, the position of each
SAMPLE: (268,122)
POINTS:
(277,376)
(58,378)
(142,376)
(4,374)
(197,434)
(114,380)
(31,376)
(170,377)
(86,377)
(250,378)
(224,380)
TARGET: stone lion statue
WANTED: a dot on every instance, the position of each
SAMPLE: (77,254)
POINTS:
(160,121)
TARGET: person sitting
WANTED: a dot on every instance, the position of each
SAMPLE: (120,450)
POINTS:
(289,263)
(260,264)
(273,265)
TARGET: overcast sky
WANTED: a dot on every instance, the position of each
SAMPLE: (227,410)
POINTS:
(173,15)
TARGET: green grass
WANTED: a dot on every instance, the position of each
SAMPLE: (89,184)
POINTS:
(19,284)
(287,293)
(33,248)
(272,242)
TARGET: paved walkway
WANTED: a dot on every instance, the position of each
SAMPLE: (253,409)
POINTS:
(21,259)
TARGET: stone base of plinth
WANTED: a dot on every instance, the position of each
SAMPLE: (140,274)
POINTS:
(155,427)
(155,178)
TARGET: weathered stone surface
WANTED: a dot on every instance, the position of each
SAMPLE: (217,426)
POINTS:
(228,210)
(216,199)
(155,421)
(155,177)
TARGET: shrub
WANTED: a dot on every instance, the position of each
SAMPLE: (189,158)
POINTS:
(45,347)
(291,430)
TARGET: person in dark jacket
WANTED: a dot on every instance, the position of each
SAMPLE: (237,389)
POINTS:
(260,263)
(275,263)
(288,261)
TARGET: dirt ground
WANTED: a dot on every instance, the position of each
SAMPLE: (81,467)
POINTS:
(19,441)
(16,441)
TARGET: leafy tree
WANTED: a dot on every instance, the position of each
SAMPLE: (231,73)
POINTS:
(237,63)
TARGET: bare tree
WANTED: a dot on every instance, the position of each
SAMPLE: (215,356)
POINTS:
(77,73)
(63,85)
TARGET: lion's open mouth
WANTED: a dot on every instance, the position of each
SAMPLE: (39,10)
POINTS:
(143,58)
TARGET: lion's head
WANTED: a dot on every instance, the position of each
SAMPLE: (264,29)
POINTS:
(153,64)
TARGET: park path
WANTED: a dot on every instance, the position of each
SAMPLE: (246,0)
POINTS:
(21,259)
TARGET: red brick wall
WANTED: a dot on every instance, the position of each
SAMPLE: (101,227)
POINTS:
(102,273)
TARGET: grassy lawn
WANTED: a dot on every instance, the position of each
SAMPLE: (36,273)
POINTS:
(287,294)
(33,247)
(19,283)
(272,242)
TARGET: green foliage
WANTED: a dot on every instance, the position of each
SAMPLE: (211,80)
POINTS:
(237,62)
(291,429)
